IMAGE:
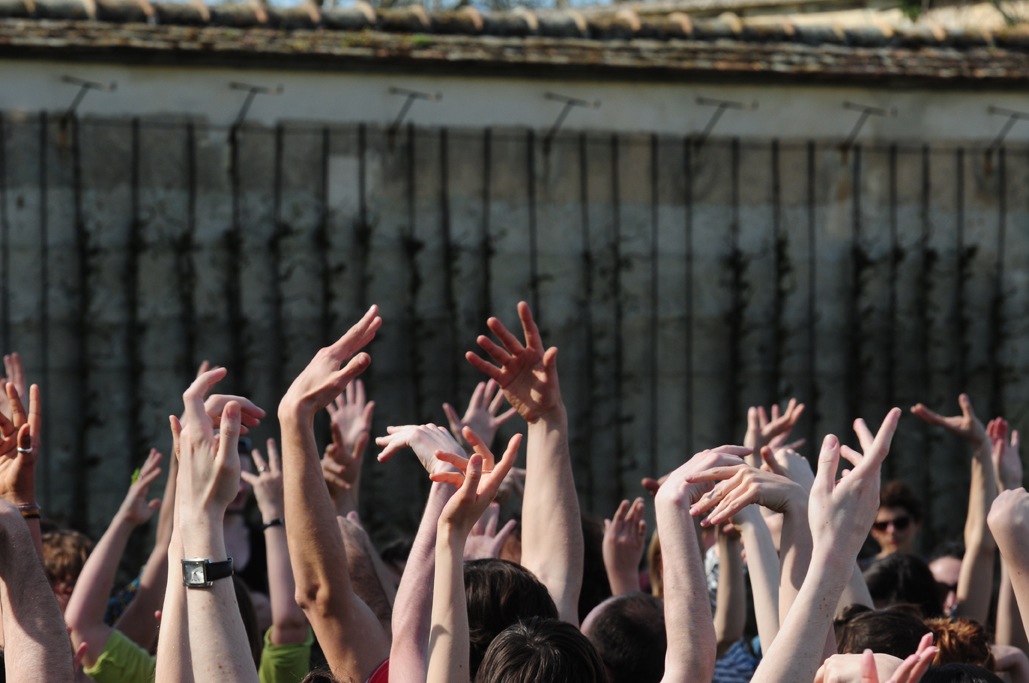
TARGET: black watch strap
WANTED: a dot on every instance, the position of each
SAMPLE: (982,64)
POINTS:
(219,570)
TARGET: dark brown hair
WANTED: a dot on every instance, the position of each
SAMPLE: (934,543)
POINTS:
(541,650)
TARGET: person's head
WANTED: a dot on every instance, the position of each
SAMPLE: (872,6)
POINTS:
(959,673)
(945,564)
(893,631)
(960,641)
(64,555)
(539,649)
(903,579)
(499,594)
(898,520)
(628,632)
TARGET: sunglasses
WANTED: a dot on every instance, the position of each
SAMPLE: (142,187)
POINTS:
(899,523)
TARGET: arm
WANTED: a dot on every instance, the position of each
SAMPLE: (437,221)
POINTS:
(351,638)
(624,541)
(36,643)
(1009,522)
(366,571)
(552,543)
(412,609)
(841,513)
(88,602)
(351,420)
(1012,661)
(1007,465)
(731,596)
(763,570)
(479,479)
(975,583)
(288,622)
(691,635)
(137,621)
(208,481)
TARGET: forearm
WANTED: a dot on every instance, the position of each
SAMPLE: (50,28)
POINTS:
(622,580)
(413,605)
(174,663)
(795,557)
(137,621)
(731,598)
(36,646)
(975,582)
(448,659)
(855,592)
(317,553)
(217,638)
(691,635)
(1009,629)
(365,579)
(799,648)
(289,625)
(88,602)
(763,570)
(552,543)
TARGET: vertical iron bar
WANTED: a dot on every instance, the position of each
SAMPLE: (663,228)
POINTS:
(855,378)
(234,244)
(687,163)
(654,423)
(186,271)
(412,248)
(449,261)
(44,286)
(363,232)
(321,240)
(925,321)
(997,309)
(135,373)
(959,289)
(891,305)
(812,297)
(80,498)
(278,342)
(589,352)
(779,327)
(534,275)
(485,240)
(5,246)
(616,249)
(736,266)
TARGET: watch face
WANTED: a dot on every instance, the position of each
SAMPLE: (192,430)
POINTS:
(194,573)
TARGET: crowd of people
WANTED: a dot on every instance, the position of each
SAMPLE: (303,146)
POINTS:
(758,570)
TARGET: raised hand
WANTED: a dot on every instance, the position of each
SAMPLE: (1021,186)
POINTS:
(267,483)
(789,463)
(870,667)
(678,488)
(19,447)
(742,485)
(625,536)
(135,508)
(478,480)
(324,379)
(763,430)
(485,541)
(527,373)
(966,425)
(425,440)
(1007,463)
(481,416)
(208,464)
(351,419)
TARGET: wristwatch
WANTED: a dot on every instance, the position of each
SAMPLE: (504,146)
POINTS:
(201,573)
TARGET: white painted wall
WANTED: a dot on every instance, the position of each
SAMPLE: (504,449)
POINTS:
(785,111)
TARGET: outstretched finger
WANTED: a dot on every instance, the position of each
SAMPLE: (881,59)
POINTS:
(477,399)
(501,538)
(452,418)
(768,458)
(727,449)
(493,396)
(923,412)
(498,353)
(532,333)
(358,336)
(483,366)
(18,414)
(966,407)
(274,459)
(828,460)
(620,512)
(883,439)
(193,400)
(259,461)
(480,447)
(714,474)
(510,342)
(868,671)
(460,462)
(864,434)
(851,456)
(507,461)
(228,433)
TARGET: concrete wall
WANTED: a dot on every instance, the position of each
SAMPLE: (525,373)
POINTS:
(682,283)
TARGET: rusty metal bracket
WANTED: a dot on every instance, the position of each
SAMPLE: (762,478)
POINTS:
(411,96)
(569,104)
(252,91)
(720,108)
(84,87)
(1013,118)
(866,111)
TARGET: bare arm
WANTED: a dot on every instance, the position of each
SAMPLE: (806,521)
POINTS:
(88,602)
(350,635)
(552,543)
(351,421)
(289,625)
(366,573)
(731,597)
(763,570)
(36,643)
(840,515)
(1007,466)
(1009,522)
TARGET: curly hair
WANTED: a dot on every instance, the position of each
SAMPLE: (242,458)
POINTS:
(961,641)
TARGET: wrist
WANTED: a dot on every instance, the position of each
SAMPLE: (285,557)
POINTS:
(295,414)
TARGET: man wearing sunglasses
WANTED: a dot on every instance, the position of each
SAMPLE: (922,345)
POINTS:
(898,521)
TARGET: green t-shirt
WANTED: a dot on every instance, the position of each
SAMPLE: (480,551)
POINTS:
(123,661)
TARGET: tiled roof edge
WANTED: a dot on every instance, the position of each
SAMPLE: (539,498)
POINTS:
(623,23)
